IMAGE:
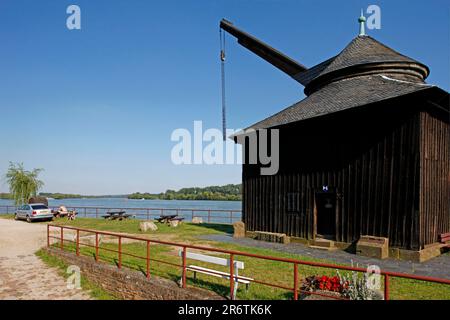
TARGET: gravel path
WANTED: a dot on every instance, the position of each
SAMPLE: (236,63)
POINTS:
(22,274)
(437,267)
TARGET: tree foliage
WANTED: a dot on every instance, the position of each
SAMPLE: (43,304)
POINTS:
(230,192)
(23,184)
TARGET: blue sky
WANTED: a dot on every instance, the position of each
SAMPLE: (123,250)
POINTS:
(96,107)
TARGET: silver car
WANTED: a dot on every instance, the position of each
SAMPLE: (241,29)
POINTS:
(35,211)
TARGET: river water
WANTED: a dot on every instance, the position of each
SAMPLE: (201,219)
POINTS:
(139,207)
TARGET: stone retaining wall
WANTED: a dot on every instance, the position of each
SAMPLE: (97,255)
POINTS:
(131,285)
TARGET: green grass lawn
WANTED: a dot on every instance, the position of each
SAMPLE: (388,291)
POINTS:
(6,216)
(185,231)
(262,270)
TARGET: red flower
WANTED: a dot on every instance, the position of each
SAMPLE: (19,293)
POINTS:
(328,283)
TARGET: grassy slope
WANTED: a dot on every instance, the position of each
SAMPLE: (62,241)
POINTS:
(268,271)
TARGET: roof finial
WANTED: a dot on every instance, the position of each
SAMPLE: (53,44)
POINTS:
(362,22)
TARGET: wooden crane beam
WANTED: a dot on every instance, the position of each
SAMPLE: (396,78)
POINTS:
(263,50)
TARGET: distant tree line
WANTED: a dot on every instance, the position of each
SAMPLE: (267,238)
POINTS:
(229,192)
(6,196)
(59,196)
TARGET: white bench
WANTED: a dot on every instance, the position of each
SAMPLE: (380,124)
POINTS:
(220,274)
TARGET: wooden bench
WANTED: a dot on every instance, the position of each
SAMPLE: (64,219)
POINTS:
(445,239)
(215,273)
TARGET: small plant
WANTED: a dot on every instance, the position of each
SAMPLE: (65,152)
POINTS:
(356,287)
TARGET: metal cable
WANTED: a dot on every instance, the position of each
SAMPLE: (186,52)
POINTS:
(222,68)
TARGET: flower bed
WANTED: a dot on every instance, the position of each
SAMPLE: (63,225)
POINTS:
(347,287)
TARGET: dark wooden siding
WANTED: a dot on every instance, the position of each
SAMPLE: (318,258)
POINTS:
(372,161)
(435,177)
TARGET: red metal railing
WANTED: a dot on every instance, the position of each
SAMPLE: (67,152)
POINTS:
(232,253)
(209,215)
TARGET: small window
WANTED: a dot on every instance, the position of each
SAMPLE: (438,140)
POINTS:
(39,207)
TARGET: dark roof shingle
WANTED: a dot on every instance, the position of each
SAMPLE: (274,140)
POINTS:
(364,50)
(341,95)
(361,50)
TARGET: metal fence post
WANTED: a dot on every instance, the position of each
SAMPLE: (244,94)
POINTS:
(386,287)
(96,246)
(209,216)
(78,242)
(295,281)
(148,259)
(192,216)
(120,252)
(62,239)
(183,280)
(48,235)
(148,215)
(232,276)
(231,217)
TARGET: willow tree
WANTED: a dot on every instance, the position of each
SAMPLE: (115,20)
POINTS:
(23,184)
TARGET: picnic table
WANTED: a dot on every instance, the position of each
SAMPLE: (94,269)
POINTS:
(168,218)
(113,215)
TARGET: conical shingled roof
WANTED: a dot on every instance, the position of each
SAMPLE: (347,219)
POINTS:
(364,50)
(365,72)
(363,53)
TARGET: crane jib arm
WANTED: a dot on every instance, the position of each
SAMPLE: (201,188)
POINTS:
(263,50)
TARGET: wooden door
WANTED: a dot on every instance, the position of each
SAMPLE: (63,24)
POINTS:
(325,209)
